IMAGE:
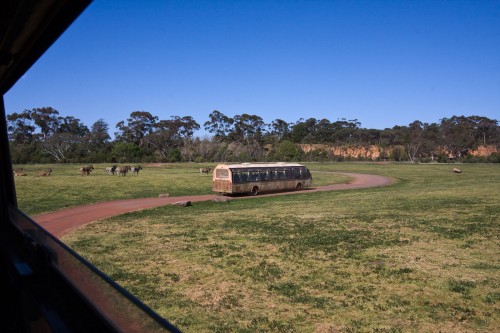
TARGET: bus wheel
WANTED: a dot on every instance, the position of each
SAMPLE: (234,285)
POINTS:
(298,187)
(255,190)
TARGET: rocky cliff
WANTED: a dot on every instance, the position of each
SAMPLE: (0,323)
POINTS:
(376,153)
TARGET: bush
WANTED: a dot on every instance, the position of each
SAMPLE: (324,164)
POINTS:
(493,158)
(174,155)
(398,153)
(442,158)
(425,160)
(473,159)
(127,152)
(288,151)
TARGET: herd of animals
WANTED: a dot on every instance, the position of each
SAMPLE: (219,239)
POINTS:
(88,169)
(119,170)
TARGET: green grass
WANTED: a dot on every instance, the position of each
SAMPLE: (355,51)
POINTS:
(422,255)
(67,188)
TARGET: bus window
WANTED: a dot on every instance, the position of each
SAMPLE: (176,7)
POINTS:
(289,174)
(222,173)
(264,175)
(281,174)
(305,173)
(296,173)
(236,177)
(254,176)
(244,176)
(272,175)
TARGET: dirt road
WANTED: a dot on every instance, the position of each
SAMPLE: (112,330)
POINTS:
(63,221)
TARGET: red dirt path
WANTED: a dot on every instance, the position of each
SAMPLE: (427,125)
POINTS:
(63,221)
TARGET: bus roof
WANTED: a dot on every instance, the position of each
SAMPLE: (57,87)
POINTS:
(257,165)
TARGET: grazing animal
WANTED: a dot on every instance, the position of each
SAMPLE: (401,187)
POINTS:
(20,172)
(122,171)
(111,170)
(45,173)
(136,169)
(86,170)
(205,170)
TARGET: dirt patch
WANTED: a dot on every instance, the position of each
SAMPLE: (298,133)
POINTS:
(63,221)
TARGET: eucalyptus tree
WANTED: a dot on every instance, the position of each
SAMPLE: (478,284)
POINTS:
(344,131)
(457,135)
(219,125)
(99,136)
(303,131)
(323,131)
(171,134)
(486,131)
(278,130)
(21,127)
(138,125)
(68,136)
(70,124)
(46,118)
(247,128)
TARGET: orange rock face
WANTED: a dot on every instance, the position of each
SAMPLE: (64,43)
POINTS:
(374,152)
(484,151)
(371,152)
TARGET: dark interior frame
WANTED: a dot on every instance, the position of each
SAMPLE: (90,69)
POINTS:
(36,294)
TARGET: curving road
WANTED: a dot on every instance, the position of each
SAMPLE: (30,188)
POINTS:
(63,221)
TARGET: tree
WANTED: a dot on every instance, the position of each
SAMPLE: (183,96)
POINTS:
(241,152)
(171,134)
(278,130)
(303,131)
(127,152)
(247,128)
(139,125)
(398,153)
(60,144)
(46,119)
(98,138)
(344,130)
(413,139)
(430,143)
(457,135)
(185,126)
(323,131)
(52,134)
(288,151)
(219,125)
(21,127)
(368,136)
(485,130)
(71,125)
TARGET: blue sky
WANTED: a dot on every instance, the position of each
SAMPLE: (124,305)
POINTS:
(384,63)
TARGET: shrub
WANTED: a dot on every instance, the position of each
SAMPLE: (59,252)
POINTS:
(493,158)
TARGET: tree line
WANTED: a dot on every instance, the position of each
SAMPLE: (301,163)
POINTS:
(42,135)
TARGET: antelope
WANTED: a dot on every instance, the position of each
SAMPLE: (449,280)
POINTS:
(45,173)
(86,170)
(122,171)
(20,172)
(205,170)
(111,170)
(136,169)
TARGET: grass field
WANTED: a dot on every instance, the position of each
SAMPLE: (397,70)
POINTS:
(67,188)
(422,255)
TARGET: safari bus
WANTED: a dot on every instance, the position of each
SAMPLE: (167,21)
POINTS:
(254,178)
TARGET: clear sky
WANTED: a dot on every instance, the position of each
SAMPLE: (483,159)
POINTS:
(384,63)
